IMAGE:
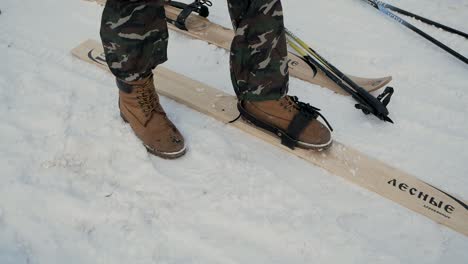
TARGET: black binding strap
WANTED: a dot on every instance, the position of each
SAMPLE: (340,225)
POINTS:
(290,137)
(199,6)
(306,114)
(295,128)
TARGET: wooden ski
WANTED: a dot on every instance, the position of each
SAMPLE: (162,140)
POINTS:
(340,160)
(203,29)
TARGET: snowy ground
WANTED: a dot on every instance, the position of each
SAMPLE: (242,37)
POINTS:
(77,187)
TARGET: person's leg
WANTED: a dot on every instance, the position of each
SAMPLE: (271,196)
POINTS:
(134,35)
(259,71)
(259,57)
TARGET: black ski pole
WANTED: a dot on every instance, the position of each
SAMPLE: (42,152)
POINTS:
(377,5)
(367,103)
(425,20)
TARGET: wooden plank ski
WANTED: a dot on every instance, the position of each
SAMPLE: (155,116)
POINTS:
(202,29)
(340,160)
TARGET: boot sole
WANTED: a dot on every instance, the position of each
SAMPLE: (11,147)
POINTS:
(278,132)
(164,155)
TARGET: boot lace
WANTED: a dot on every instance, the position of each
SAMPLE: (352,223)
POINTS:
(306,109)
(148,101)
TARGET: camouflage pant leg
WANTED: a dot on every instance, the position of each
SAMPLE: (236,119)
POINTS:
(259,57)
(134,35)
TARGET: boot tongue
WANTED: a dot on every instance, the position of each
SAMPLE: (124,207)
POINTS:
(143,116)
(150,105)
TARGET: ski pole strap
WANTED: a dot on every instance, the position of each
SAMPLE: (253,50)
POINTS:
(199,6)
(386,96)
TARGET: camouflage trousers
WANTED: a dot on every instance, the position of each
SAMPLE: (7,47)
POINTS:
(135,38)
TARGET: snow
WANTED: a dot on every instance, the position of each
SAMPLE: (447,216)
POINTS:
(77,187)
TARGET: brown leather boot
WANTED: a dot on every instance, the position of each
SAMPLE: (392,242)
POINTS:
(139,106)
(293,121)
